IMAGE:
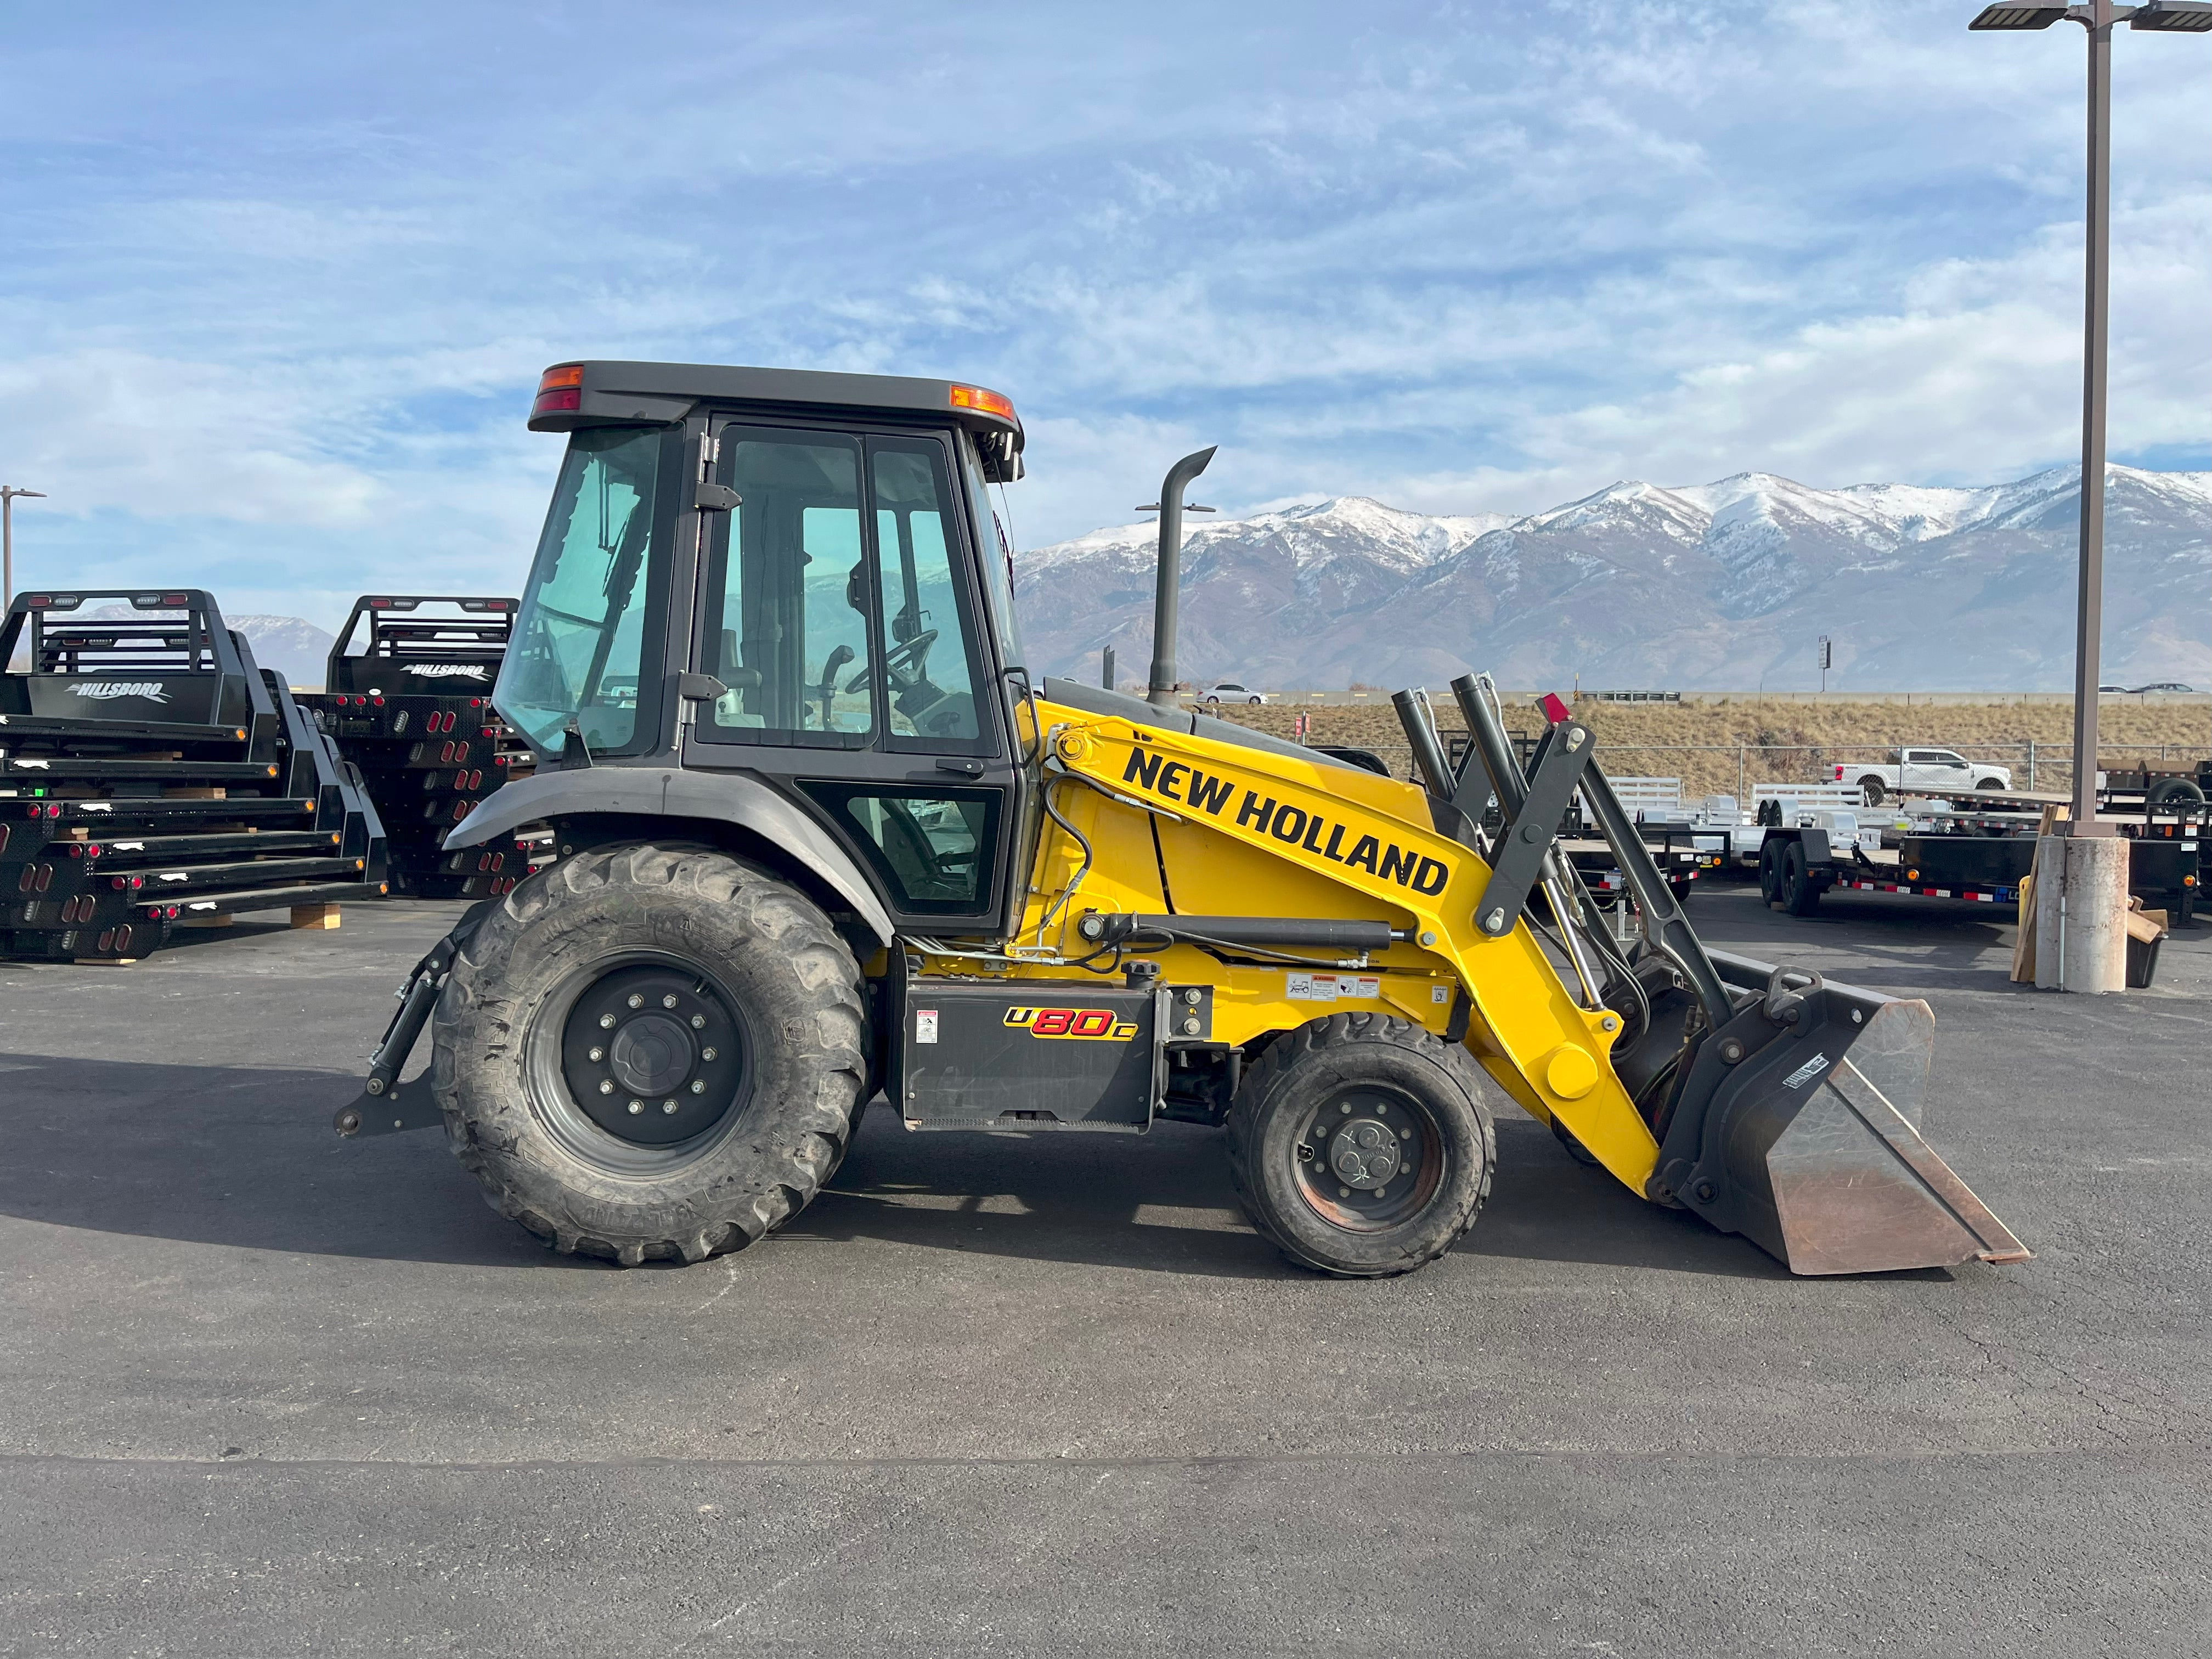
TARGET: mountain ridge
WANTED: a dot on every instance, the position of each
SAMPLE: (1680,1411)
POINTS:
(1691,587)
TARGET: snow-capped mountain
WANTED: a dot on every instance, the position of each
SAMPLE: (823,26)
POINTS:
(1707,586)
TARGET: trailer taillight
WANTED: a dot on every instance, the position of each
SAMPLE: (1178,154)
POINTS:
(559,389)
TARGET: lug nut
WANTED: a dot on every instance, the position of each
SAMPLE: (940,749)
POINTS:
(606,1022)
(599,1053)
(635,1107)
(1345,1108)
(606,1088)
(636,1000)
(669,1107)
(668,1002)
(698,1022)
(698,1088)
(1344,1191)
(708,1054)
(1382,1192)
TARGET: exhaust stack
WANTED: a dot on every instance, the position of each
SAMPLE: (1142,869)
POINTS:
(1161,693)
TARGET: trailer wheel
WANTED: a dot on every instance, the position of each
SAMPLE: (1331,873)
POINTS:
(1769,872)
(1361,1146)
(1800,894)
(651,1052)
(2175,791)
(1873,791)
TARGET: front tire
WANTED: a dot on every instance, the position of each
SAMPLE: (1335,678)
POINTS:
(1360,1144)
(652,1052)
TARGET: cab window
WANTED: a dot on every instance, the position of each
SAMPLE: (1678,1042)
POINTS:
(928,643)
(787,625)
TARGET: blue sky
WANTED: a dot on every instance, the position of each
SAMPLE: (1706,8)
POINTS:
(278,280)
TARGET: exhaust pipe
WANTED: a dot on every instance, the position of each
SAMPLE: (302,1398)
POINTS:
(1161,693)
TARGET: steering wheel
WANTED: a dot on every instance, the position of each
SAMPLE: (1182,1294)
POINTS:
(898,661)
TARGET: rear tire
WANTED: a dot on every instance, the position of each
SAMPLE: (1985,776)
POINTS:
(1769,872)
(711,972)
(1361,1146)
(1873,791)
(1800,896)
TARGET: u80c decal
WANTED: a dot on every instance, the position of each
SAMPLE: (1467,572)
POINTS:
(1098,1024)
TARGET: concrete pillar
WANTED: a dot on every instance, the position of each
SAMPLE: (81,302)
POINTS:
(2080,913)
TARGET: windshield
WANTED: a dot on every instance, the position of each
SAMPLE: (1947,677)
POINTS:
(578,643)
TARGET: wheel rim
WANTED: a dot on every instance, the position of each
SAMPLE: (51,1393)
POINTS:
(1368,1159)
(639,1063)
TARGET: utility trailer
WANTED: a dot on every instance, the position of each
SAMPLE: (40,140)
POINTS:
(1980,859)
(153,777)
(409,704)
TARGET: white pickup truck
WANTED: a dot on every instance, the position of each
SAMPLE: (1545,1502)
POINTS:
(1922,772)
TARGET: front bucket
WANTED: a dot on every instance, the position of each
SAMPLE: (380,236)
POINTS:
(1808,1142)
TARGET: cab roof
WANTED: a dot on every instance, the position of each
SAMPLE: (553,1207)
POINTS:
(602,393)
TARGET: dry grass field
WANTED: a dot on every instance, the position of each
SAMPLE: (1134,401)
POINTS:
(1704,744)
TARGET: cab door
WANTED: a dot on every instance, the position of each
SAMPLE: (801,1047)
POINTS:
(840,610)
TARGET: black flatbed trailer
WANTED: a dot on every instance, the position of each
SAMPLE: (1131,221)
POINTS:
(407,696)
(151,774)
(1980,860)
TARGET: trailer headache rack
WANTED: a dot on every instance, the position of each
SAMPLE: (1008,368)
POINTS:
(153,776)
(407,698)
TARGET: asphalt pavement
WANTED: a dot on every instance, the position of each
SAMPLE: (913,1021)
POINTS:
(265,1392)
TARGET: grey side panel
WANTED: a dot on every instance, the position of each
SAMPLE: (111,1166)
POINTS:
(658,792)
(1096,699)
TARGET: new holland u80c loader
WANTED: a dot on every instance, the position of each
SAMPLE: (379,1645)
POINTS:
(821,835)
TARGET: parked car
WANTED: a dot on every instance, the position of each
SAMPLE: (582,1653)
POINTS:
(2164,686)
(1921,771)
(1229,691)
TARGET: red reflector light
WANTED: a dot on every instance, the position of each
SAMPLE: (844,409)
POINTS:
(379,605)
(380,702)
(552,402)
(37,601)
(176,599)
(1555,709)
(980,398)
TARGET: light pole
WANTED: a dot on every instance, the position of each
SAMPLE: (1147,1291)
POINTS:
(2098,17)
(7,494)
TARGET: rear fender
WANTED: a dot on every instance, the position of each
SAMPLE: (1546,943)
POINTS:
(696,800)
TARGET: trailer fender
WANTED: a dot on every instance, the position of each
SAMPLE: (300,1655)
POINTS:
(660,792)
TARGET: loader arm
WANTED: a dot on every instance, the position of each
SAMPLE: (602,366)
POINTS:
(1787,1108)
(1183,824)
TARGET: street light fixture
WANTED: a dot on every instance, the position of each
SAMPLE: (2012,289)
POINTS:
(7,494)
(2098,17)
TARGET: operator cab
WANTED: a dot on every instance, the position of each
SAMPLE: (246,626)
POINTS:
(798,578)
